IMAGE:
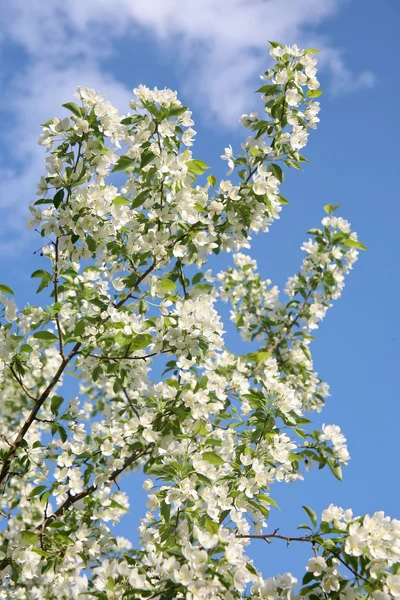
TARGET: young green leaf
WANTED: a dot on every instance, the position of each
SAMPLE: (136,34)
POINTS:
(74,108)
(312,514)
(213,458)
(5,289)
(45,335)
(330,208)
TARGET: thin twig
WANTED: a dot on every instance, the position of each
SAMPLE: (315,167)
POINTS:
(116,358)
(307,538)
(20,382)
(71,500)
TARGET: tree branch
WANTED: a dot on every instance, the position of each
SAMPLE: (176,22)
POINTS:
(32,416)
(20,382)
(307,538)
(71,500)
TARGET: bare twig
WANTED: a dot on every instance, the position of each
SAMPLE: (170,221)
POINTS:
(20,382)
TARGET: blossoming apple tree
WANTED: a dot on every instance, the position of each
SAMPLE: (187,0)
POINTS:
(129,219)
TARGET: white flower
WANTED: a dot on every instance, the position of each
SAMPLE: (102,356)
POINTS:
(147,485)
(183,575)
(107,447)
(316,565)
(332,513)
(206,539)
(393,584)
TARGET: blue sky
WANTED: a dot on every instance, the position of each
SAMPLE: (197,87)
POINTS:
(212,52)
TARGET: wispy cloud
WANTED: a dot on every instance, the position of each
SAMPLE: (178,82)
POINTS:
(222,48)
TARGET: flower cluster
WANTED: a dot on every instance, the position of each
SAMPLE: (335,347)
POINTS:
(127,283)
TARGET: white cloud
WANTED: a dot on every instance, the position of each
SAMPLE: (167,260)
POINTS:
(222,47)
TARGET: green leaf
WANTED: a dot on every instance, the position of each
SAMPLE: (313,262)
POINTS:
(197,278)
(120,201)
(307,578)
(330,208)
(354,244)
(275,44)
(44,276)
(58,198)
(79,328)
(252,569)
(121,338)
(204,286)
(29,536)
(269,500)
(211,526)
(283,200)
(45,335)
(26,348)
(39,274)
(44,497)
(314,93)
(43,201)
(5,289)
(165,511)
(123,163)
(261,508)
(141,341)
(212,180)
(42,552)
(56,402)
(74,108)
(140,199)
(312,514)
(277,171)
(91,243)
(37,490)
(255,152)
(335,468)
(306,352)
(212,458)
(62,433)
(64,538)
(269,90)
(167,286)
(311,51)
(262,355)
(197,167)
(152,108)
(147,157)
(178,111)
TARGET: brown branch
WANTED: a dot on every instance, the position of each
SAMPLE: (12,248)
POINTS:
(307,538)
(349,567)
(40,401)
(138,282)
(151,268)
(116,358)
(32,416)
(71,500)
(275,535)
(130,402)
(20,382)
(182,279)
